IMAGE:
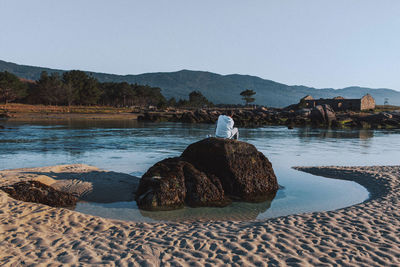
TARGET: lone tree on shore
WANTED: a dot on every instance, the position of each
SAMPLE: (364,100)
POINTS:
(247,96)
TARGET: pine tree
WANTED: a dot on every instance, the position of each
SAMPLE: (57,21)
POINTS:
(247,96)
(11,88)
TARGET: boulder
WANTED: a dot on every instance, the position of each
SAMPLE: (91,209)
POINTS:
(322,114)
(244,172)
(173,182)
(304,112)
(210,172)
(34,191)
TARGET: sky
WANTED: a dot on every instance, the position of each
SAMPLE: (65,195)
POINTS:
(316,43)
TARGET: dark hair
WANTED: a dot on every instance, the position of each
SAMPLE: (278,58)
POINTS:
(229,113)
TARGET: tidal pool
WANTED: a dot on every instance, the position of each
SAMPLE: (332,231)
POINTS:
(132,147)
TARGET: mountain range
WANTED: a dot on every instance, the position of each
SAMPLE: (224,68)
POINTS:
(220,89)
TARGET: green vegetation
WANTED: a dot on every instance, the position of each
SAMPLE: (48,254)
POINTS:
(124,94)
(11,88)
(81,88)
(247,96)
(76,88)
(48,90)
(196,99)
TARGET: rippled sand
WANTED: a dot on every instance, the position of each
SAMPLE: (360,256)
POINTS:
(367,234)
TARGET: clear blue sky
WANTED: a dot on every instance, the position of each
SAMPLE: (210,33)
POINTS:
(318,43)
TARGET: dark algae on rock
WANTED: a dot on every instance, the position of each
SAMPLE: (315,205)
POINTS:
(211,172)
(34,191)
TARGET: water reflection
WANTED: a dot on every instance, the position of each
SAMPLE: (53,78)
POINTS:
(235,211)
(239,211)
(304,133)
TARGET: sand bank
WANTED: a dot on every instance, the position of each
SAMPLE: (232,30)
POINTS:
(71,116)
(366,234)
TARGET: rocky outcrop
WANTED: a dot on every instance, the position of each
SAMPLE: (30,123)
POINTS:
(154,117)
(4,115)
(322,115)
(34,191)
(242,117)
(383,120)
(208,173)
(174,182)
(382,117)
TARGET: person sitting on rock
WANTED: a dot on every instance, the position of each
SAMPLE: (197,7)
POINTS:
(225,127)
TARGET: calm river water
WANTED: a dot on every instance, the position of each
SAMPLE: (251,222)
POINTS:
(132,147)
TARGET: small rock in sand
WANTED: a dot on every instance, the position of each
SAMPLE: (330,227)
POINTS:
(34,191)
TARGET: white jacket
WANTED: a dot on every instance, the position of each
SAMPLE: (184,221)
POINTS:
(224,127)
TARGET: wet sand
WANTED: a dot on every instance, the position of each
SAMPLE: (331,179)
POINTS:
(366,234)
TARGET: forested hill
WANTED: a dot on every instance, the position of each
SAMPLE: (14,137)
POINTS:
(219,88)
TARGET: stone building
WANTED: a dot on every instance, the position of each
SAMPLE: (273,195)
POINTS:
(340,103)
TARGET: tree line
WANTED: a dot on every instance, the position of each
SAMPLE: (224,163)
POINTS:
(78,88)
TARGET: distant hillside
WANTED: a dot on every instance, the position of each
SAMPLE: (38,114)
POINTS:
(219,88)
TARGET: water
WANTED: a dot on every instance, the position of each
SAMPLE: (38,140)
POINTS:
(132,147)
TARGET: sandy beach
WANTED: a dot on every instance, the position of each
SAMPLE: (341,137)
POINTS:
(366,234)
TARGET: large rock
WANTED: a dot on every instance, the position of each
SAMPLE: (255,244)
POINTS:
(322,114)
(244,172)
(208,173)
(34,191)
(173,182)
(304,112)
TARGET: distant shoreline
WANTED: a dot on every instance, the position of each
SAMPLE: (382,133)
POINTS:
(387,117)
(77,116)
(20,112)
